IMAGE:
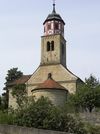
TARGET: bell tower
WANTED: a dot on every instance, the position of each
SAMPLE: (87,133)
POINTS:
(53,44)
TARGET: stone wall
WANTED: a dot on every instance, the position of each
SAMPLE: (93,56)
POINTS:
(58,55)
(6,129)
(57,96)
(93,118)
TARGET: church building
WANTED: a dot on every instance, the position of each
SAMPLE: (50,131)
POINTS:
(52,78)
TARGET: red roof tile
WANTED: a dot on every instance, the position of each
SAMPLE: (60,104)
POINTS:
(21,80)
(50,84)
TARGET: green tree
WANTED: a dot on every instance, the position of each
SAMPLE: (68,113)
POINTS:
(73,103)
(92,82)
(87,96)
(2,102)
(12,75)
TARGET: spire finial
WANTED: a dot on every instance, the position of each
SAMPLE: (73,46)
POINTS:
(54,1)
(54,6)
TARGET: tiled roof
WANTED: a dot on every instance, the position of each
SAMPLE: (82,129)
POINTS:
(21,80)
(50,84)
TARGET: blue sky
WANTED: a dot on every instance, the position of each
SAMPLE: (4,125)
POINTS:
(21,30)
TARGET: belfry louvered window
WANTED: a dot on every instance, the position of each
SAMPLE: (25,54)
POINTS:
(50,46)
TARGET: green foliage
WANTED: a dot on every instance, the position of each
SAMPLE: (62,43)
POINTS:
(19,92)
(3,104)
(0,100)
(93,129)
(33,114)
(6,118)
(73,103)
(12,75)
(87,96)
(92,82)
(59,121)
(42,114)
(4,101)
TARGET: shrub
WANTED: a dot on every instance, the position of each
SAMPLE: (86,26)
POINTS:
(6,118)
(42,114)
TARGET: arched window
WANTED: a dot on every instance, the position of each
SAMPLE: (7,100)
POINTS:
(52,45)
(48,46)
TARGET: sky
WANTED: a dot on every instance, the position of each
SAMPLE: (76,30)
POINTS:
(21,28)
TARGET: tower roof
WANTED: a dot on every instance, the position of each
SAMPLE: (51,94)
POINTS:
(50,84)
(54,16)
